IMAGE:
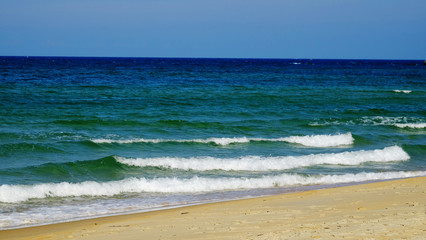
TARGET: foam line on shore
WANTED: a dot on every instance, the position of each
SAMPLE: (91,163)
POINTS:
(20,193)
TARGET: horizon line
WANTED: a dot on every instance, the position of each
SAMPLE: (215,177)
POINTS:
(247,58)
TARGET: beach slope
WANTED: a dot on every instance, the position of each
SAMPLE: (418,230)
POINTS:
(382,210)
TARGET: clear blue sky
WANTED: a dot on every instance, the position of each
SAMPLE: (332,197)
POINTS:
(360,29)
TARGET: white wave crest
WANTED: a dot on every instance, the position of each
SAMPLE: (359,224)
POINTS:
(223,141)
(310,141)
(414,122)
(411,125)
(401,122)
(322,140)
(218,141)
(19,193)
(141,140)
(402,91)
(259,163)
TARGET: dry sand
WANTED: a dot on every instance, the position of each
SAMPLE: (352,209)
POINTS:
(383,210)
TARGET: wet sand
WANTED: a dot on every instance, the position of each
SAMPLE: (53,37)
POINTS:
(382,210)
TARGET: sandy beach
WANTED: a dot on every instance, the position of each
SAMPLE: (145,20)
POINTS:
(382,210)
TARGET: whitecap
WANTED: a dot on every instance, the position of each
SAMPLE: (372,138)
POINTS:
(402,91)
(310,141)
(261,163)
(411,125)
(322,140)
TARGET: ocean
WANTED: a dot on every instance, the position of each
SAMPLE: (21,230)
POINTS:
(90,137)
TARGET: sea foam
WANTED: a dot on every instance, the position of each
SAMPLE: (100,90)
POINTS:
(310,141)
(322,140)
(411,125)
(402,91)
(19,193)
(401,122)
(260,163)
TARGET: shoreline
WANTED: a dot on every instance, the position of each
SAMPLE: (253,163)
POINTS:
(227,197)
(354,211)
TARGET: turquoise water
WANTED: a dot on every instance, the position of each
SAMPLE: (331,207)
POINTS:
(87,137)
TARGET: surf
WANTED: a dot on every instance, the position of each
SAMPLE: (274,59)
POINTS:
(309,141)
(261,163)
(21,193)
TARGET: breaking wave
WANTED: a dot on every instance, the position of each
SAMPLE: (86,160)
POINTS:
(260,163)
(411,125)
(20,193)
(310,141)
(322,140)
(400,122)
(402,91)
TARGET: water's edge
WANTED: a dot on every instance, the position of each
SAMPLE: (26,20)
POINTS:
(229,196)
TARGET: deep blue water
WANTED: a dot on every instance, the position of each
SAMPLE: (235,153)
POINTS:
(113,134)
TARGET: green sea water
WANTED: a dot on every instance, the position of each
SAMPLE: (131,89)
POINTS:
(87,137)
